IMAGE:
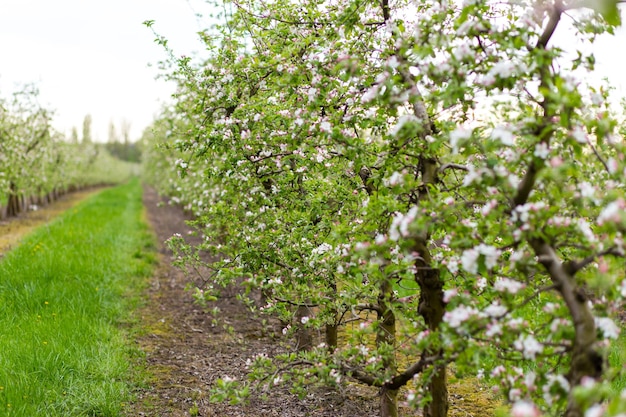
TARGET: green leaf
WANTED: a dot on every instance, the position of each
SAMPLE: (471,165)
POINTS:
(608,9)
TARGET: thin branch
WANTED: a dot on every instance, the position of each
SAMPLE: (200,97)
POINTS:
(360,376)
(535,295)
(452,166)
(369,307)
(294,303)
(573,267)
(595,151)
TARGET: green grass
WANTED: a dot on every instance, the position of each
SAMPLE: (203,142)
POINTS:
(65,296)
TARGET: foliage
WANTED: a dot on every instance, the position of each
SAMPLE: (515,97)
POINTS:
(334,151)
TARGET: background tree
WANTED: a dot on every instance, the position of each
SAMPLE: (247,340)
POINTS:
(86,138)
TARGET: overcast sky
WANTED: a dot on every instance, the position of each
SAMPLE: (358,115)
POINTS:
(92,56)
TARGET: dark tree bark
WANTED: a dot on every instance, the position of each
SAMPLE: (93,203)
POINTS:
(386,335)
(13,203)
(586,361)
(304,338)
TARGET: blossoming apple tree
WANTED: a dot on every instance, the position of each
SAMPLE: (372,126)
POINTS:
(418,184)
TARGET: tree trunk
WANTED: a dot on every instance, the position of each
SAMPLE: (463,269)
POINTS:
(431,308)
(13,203)
(386,335)
(304,339)
(388,402)
(431,305)
(331,337)
(332,328)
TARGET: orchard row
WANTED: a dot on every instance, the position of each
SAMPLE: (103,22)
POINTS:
(425,183)
(38,164)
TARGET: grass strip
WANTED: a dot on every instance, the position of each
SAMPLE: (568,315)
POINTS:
(65,294)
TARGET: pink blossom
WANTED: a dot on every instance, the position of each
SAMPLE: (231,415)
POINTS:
(556,161)
(449,294)
(493,329)
(525,409)
(459,315)
(612,212)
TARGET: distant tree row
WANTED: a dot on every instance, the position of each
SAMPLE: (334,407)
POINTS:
(119,144)
(38,164)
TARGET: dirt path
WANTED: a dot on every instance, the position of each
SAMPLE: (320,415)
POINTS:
(13,229)
(188,348)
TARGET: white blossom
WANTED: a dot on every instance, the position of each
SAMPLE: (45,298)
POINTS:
(585,228)
(508,285)
(528,345)
(323,248)
(482,283)
(471,176)
(403,120)
(622,288)
(370,94)
(541,150)
(493,329)
(586,190)
(400,224)
(608,327)
(502,69)
(495,310)
(504,135)
(597,99)
(458,136)
(469,260)
(462,52)
(579,135)
(325,127)
(395,179)
(595,410)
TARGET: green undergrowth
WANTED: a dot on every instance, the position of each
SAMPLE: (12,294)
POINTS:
(66,297)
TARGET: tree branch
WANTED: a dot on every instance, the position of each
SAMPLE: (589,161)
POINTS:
(572,267)
(555,16)
(452,166)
